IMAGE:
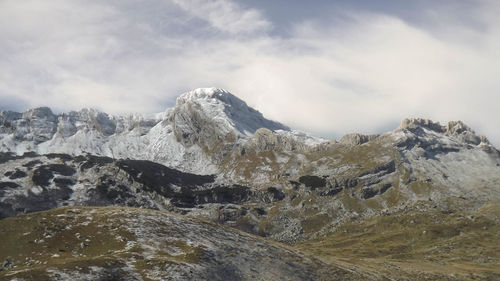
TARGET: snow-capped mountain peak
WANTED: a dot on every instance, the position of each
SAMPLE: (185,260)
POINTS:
(225,111)
(206,93)
(192,136)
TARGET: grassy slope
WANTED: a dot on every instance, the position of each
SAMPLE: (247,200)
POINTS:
(68,239)
(77,242)
(420,244)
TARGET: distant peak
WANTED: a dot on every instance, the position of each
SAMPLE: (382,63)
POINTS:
(224,110)
(43,110)
(457,127)
(410,123)
(453,128)
(40,113)
(203,92)
(207,93)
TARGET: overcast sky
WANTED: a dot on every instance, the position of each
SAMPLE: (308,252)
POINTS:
(325,67)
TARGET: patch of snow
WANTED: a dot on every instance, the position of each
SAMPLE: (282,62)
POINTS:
(36,190)
(302,137)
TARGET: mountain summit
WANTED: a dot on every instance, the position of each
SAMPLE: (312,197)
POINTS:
(215,120)
(227,112)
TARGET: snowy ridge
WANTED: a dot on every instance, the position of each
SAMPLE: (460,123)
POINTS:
(178,137)
(302,137)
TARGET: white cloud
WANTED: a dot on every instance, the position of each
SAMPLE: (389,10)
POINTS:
(362,75)
(226,15)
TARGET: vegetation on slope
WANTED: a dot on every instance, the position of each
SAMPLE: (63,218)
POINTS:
(422,243)
(116,243)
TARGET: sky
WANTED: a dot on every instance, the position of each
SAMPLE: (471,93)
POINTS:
(323,67)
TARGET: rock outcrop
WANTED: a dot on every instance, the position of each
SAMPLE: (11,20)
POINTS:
(357,139)
(455,129)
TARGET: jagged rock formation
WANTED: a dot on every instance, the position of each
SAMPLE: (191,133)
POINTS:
(456,129)
(194,136)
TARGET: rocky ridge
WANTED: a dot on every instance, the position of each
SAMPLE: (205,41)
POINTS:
(193,136)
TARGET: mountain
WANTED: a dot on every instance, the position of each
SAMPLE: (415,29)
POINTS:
(416,203)
(203,120)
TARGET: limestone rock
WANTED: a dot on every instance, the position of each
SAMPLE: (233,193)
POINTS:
(412,123)
(265,139)
(209,115)
(357,139)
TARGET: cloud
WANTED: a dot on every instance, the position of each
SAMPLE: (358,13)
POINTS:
(364,73)
(226,16)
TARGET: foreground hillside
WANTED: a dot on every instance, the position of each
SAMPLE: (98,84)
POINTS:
(136,244)
(116,243)
(424,243)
